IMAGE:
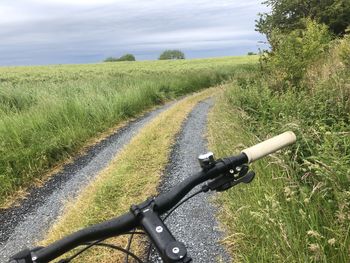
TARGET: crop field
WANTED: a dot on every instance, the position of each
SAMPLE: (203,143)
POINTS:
(47,113)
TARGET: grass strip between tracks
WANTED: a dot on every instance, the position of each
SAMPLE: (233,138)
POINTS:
(132,177)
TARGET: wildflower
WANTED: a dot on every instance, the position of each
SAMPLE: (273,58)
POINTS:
(313,233)
(287,191)
(302,213)
(274,205)
(314,248)
(331,241)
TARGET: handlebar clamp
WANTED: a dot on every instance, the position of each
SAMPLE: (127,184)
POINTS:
(165,243)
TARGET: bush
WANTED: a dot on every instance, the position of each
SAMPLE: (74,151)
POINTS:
(251,53)
(172,54)
(287,64)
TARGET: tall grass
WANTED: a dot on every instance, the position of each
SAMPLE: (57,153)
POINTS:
(48,113)
(298,209)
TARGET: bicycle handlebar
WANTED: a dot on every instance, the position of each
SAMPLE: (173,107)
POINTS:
(128,221)
(162,203)
(168,200)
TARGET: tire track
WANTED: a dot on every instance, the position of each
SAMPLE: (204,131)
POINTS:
(24,225)
(193,223)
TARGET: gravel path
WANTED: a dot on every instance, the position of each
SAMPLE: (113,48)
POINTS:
(194,222)
(24,225)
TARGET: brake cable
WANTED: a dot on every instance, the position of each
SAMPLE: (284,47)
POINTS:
(98,243)
(129,245)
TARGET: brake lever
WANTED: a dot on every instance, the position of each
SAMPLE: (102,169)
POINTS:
(230,179)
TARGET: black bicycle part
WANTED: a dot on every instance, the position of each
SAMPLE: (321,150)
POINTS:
(128,247)
(149,250)
(168,248)
(240,174)
(24,256)
(183,201)
(99,243)
(120,249)
(168,200)
(89,245)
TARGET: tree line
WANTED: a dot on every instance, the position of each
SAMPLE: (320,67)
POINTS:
(299,33)
(165,55)
(287,16)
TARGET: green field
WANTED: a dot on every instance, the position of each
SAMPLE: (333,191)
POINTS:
(47,113)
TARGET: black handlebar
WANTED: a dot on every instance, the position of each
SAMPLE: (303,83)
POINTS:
(168,200)
(128,221)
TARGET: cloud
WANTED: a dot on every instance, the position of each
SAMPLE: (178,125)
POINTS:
(79,31)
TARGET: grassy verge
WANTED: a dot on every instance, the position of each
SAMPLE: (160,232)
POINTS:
(251,213)
(297,209)
(48,113)
(132,177)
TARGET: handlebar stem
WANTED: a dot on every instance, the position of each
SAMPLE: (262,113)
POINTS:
(168,248)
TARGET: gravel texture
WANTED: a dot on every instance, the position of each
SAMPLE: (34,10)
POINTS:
(194,223)
(24,225)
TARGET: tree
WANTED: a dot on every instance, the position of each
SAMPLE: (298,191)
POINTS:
(288,15)
(126,57)
(172,54)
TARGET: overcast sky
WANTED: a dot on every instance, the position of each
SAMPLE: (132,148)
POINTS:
(36,32)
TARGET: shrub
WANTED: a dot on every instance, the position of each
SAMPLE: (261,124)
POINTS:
(287,64)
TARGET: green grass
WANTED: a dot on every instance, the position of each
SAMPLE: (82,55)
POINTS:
(47,113)
(298,207)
